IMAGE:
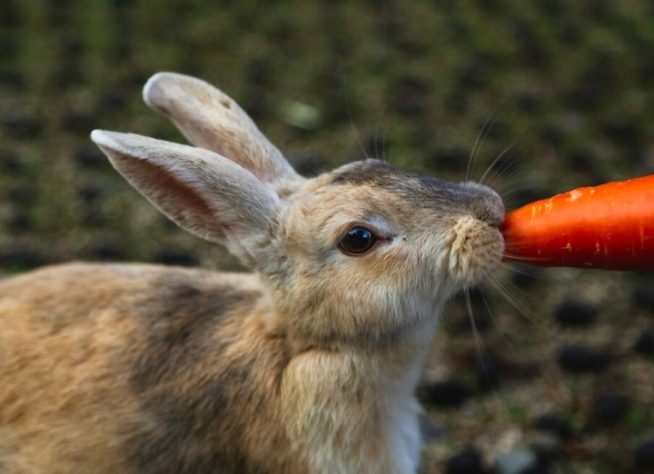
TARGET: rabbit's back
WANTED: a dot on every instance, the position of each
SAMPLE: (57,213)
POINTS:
(143,368)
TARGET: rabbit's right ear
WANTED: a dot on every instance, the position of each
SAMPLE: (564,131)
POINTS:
(210,119)
(201,191)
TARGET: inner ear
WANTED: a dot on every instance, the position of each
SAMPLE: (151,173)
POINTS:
(201,191)
(176,199)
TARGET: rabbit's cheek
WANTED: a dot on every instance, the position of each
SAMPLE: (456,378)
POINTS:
(475,250)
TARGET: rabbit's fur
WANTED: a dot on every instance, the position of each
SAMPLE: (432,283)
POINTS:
(307,365)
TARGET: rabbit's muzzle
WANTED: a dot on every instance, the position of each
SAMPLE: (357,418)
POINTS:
(475,248)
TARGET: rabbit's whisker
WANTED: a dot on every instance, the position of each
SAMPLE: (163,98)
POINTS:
(514,300)
(481,136)
(481,348)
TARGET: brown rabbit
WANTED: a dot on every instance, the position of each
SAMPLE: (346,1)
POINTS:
(308,365)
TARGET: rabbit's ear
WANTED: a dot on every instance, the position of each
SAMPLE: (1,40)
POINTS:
(212,120)
(200,190)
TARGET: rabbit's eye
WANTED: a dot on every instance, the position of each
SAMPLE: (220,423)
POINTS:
(357,240)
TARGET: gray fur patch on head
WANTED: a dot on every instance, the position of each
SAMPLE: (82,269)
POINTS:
(446,197)
(381,174)
(361,172)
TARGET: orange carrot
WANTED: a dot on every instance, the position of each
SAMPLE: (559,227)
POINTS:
(609,226)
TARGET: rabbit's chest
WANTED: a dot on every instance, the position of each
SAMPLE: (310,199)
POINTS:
(403,435)
(343,419)
(400,412)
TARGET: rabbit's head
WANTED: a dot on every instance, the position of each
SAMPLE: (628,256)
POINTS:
(352,257)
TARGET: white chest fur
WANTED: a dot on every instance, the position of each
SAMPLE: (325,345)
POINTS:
(357,413)
(402,433)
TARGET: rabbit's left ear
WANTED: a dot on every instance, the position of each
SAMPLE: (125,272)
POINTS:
(201,191)
(210,119)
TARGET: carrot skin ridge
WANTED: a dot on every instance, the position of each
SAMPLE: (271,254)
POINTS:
(610,226)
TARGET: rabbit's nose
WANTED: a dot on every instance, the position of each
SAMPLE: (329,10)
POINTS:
(485,204)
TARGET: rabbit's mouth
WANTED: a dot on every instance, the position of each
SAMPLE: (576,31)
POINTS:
(475,249)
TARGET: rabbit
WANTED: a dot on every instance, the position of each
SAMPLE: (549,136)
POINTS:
(307,365)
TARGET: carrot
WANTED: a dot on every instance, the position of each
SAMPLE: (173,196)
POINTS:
(609,226)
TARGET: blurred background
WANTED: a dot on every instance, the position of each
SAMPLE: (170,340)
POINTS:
(559,374)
